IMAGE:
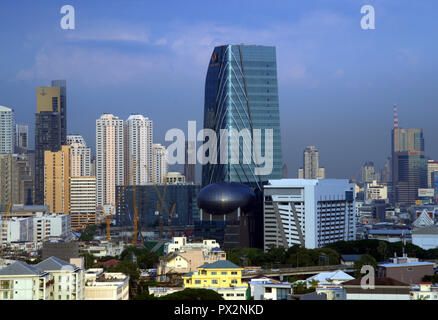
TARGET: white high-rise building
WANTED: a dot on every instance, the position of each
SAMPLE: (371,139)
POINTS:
(138,148)
(109,158)
(432,166)
(308,212)
(311,168)
(160,165)
(6,130)
(80,162)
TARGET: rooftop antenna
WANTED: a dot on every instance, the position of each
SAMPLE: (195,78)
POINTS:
(395,117)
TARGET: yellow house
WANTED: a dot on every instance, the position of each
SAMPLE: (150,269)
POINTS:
(222,276)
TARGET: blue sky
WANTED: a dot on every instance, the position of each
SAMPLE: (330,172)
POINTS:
(337,82)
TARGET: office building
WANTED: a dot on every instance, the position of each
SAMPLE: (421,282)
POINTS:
(160,165)
(82,202)
(16,179)
(57,180)
(6,130)
(190,169)
(50,129)
(375,191)
(432,166)
(109,158)
(311,169)
(21,138)
(409,166)
(150,209)
(138,148)
(80,156)
(175,178)
(241,95)
(311,213)
(368,173)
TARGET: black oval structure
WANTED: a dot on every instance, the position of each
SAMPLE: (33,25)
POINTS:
(225,197)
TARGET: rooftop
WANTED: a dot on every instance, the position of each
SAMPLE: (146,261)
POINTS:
(53,263)
(221,264)
(20,268)
(378,282)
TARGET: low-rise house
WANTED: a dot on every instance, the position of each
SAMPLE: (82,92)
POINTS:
(332,292)
(350,259)
(329,278)
(163,291)
(222,276)
(20,281)
(425,291)
(270,289)
(100,285)
(405,269)
(179,243)
(384,289)
(69,280)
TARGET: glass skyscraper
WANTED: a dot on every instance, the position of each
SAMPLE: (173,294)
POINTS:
(241,93)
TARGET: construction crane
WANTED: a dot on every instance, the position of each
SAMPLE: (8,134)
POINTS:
(163,204)
(4,230)
(109,216)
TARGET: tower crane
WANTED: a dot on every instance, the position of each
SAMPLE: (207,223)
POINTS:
(109,216)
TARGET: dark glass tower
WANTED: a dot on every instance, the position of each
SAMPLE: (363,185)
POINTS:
(50,129)
(241,93)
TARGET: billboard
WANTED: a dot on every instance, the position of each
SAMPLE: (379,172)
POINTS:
(425,193)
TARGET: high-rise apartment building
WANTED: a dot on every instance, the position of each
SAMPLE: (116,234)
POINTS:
(160,165)
(57,180)
(368,173)
(82,202)
(16,181)
(21,138)
(409,165)
(50,128)
(6,130)
(80,156)
(138,148)
(241,95)
(308,212)
(311,168)
(109,158)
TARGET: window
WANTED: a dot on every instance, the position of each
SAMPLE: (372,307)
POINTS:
(197,281)
(213,273)
(234,281)
(224,273)
(214,282)
(268,290)
(233,273)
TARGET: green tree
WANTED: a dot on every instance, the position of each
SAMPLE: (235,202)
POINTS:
(129,268)
(193,294)
(365,259)
(89,259)
(88,233)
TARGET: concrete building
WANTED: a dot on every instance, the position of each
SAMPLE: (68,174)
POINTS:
(138,148)
(16,178)
(311,213)
(68,279)
(269,289)
(159,163)
(175,178)
(404,269)
(82,202)
(64,250)
(311,169)
(7,140)
(57,180)
(109,158)
(222,276)
(432,166)
(425,291)
(375,191)
(80,165)
(384,289)
(100,285)
(368,173)
(180,244)
(21,138)
(20,281)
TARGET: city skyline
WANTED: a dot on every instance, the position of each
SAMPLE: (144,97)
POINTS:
(318,73)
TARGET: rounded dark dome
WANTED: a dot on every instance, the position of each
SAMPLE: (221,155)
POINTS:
(225,197)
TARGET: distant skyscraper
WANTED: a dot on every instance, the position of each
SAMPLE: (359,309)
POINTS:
(284,171)
(159,165)
(6,130)
(311,168)
(80,156)
(386,174)
(189,169)
(409,166)
(62,84)
(241,93)
(48,129)
(138,147)
(21,137)
(16,181)
(369,173)
(109,158)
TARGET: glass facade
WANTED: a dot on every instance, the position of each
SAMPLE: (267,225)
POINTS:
(241,93)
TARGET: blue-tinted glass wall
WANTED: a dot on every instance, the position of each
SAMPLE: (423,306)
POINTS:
(235,73)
